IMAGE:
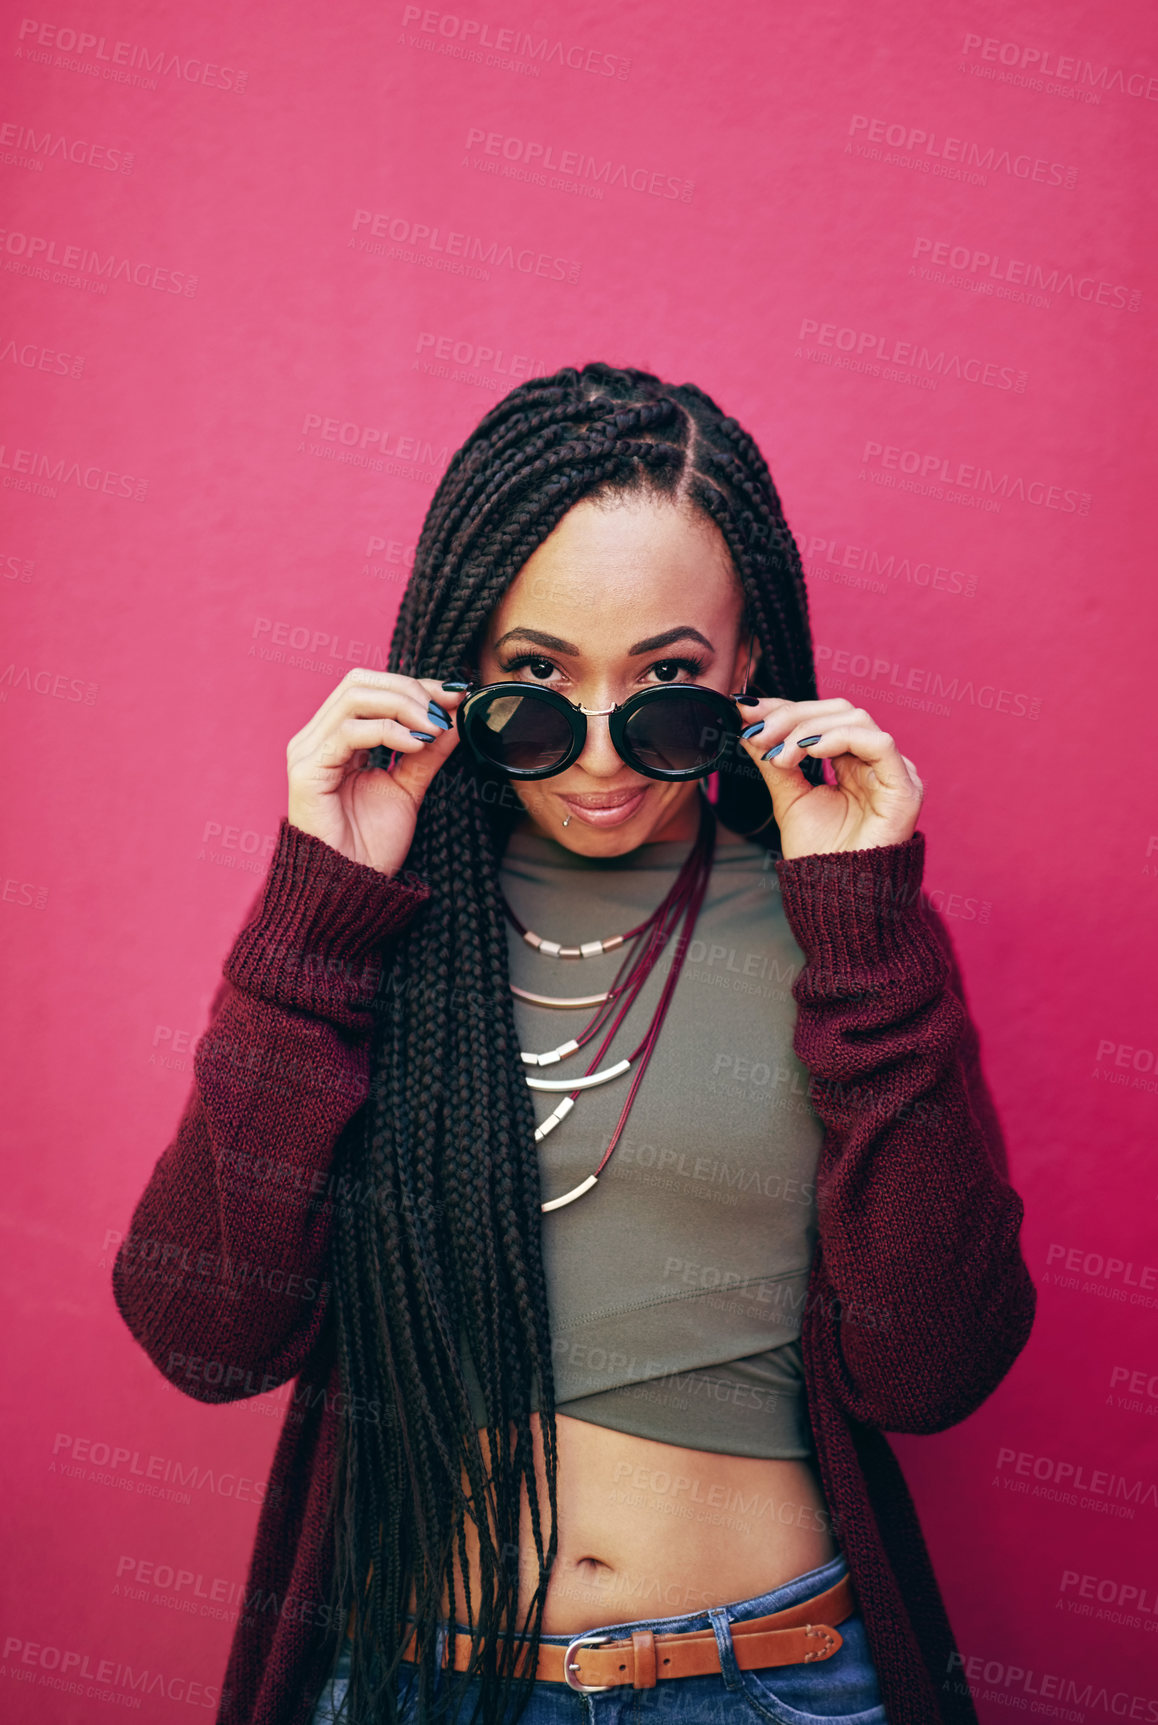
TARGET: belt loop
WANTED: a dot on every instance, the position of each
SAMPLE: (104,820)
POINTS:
(442,1643)
(643,1661)
(723,1632)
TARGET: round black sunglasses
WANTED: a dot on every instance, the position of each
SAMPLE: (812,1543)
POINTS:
(667,731)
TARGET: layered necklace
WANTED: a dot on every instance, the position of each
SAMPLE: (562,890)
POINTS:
(648,939)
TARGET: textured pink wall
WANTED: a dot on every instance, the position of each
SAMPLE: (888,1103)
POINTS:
(242,333)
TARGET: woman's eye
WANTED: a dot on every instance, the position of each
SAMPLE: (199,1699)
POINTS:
(533,662)
(674,666)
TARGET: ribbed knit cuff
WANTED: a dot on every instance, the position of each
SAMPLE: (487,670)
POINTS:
(314,939)
(858,916)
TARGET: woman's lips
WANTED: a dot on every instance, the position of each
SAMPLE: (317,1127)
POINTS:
(609,810)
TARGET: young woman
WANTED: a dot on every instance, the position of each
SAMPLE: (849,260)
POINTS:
(590,1380)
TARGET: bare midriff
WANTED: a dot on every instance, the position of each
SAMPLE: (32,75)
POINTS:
(650,1529)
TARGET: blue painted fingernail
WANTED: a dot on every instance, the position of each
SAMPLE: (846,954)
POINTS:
(752,730)
(423,736)
(438,715)
(456,688)
(746,700)
(803,742)
(772,752)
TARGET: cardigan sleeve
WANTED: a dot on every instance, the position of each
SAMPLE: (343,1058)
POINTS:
(221,1277)
(919,1299)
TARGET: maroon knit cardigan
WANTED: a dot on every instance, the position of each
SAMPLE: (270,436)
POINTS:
(918,1303)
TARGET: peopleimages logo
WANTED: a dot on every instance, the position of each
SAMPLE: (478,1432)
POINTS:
(467,37)
(143,1573)
(56,145)
(454,250)
(892,352)
(1021,272)
(33,470)
(1009,1685)
(1109,1592)
(1070,1477)
(1067,68)
(33,357)
(119,61)
(936,153)
(914,571)
(931,469)
(85,1674)
(881,676)
(378,438)
(1102,1266)
(31,254)
(56,684)
(473,362)
(540,159)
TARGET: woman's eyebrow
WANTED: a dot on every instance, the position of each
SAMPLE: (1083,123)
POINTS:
(683,632)
(652,644)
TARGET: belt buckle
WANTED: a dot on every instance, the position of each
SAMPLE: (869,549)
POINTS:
(573,1682)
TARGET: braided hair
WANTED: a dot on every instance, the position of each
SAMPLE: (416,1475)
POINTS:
(444,1253)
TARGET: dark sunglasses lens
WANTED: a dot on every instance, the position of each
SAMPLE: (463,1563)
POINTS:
(521,733)
(676,736)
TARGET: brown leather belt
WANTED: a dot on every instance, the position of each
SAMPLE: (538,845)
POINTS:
(800,1634)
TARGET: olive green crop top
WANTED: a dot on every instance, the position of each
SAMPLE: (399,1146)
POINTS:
(676,1285)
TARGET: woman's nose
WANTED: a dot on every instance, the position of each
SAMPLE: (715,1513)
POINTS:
(599,756)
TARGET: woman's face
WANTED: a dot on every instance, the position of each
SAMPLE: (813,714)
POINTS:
(621,596)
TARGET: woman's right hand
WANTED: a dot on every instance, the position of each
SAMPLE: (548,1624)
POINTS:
(369,816)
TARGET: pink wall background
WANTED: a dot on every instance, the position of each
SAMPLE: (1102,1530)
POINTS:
(911,256)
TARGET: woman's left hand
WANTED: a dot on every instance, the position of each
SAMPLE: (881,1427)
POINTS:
(878,792)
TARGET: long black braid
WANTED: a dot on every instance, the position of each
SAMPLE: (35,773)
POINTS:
(444,1253)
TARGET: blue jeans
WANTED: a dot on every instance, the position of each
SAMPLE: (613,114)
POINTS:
(842,1690)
